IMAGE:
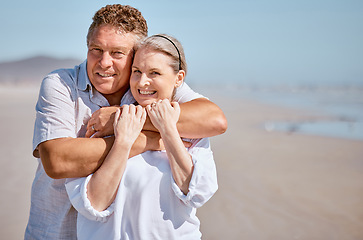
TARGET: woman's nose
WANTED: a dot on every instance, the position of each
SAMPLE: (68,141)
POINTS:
(144,80)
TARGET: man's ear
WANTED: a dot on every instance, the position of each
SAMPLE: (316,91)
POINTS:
(179,78)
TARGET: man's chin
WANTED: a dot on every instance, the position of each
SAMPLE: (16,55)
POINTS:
(107,88)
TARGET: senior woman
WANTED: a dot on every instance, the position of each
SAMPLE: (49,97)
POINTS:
(153,195)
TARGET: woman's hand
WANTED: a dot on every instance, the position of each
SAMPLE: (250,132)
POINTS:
(163,114)
(101,122)
(128,124)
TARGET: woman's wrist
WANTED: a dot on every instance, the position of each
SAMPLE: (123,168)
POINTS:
(168,128)
(123,143)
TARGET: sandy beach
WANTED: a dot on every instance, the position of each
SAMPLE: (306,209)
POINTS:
(272,185)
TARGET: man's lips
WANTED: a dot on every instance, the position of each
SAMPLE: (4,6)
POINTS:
(105,75)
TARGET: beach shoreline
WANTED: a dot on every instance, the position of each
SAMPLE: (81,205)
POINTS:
(272,184)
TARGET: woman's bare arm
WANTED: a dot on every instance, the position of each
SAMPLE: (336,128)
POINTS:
(102,187)
(164,116)
(201,118)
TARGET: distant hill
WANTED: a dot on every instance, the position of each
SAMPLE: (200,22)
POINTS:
(31,71)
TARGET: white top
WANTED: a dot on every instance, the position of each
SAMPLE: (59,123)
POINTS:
(149,204)
(66,102)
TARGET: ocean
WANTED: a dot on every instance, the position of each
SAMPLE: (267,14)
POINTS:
(341,106)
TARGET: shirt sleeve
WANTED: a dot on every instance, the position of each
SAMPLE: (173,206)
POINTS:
(55,110)
(77,194)
(203,183)
(185,94)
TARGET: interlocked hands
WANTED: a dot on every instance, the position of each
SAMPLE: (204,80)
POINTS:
(162,114)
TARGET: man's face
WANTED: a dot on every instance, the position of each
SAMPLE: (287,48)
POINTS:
(109,60)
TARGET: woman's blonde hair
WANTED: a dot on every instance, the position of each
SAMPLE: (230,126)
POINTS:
(169,46)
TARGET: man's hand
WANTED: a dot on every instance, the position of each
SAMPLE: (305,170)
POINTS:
(101,122)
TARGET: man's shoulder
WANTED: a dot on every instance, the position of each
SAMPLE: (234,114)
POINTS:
(62,81)
(65,76)
(185,94)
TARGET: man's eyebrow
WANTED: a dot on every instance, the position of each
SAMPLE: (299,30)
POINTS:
(93,44)
(120,48)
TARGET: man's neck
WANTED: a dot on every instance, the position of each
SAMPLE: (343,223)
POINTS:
(115,98)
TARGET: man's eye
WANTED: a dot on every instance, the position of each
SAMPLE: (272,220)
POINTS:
(118,54)
(136,71)
(96,50)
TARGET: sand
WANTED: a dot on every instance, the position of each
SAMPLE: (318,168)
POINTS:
(272,185)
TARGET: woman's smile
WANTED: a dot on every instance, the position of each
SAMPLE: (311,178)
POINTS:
(146,92)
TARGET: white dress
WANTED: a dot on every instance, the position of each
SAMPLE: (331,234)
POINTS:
(149,204)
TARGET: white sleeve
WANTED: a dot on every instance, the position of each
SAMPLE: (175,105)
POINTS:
(77,194)
(185,94)
(203,183)
(55,109)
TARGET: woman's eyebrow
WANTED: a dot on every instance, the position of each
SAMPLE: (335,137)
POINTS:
(134,67)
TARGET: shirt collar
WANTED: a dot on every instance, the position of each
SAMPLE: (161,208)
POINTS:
(83,80)
(127,98)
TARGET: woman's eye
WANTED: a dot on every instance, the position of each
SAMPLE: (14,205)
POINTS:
(155,73)
(136,71)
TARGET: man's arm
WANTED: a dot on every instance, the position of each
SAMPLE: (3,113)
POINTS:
(199,118)
(79,157)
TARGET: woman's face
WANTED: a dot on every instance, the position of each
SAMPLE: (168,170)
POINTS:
(152,78)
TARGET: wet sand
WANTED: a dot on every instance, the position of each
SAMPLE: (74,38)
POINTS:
(272,185)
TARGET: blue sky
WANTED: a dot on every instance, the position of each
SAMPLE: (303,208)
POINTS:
(244,41)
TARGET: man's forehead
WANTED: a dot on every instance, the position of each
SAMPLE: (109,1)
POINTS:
(120,41)
(109,30)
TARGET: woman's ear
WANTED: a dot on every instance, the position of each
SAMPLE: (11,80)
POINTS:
(179,78)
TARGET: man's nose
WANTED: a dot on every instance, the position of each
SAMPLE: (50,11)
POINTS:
(106,60)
